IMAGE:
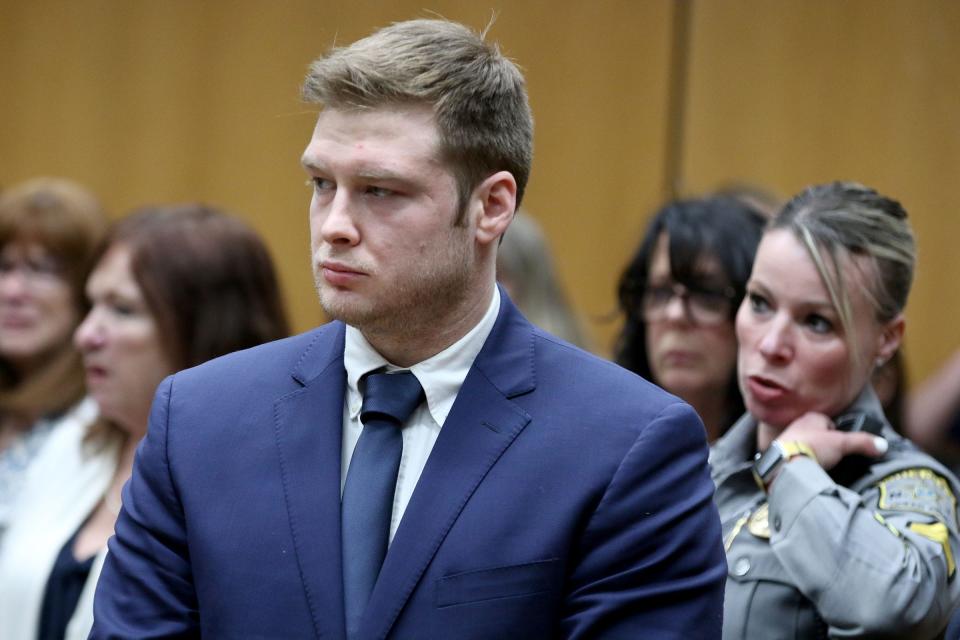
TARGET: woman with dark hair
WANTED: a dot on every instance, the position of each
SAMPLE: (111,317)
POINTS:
(834,525)
(49,230)
(172,288)
(679,295)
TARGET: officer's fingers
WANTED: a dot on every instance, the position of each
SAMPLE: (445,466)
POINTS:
(863,444)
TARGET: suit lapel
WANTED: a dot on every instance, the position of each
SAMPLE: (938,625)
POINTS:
(308,425)
(482,424)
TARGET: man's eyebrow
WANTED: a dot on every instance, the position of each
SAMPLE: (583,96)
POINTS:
(363,172)
(377,173)
(309,164)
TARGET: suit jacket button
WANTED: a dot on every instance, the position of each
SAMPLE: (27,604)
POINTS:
(776,522)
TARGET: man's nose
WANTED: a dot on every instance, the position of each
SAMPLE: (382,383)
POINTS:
(338,225)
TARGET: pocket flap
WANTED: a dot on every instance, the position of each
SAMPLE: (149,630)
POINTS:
(499,582)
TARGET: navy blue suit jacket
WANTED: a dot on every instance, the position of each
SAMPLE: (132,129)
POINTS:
(565,497)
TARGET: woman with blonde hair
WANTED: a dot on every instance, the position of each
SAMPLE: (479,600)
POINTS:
(49,230)
(834,525)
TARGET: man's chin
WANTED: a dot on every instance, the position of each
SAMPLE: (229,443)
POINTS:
(338,306)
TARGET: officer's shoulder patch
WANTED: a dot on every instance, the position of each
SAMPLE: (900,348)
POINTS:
(920,490)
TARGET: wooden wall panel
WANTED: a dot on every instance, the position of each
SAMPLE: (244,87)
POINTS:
(183,99)
(177,100)
(786,94)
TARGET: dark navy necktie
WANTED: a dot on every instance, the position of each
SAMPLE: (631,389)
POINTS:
(367,504)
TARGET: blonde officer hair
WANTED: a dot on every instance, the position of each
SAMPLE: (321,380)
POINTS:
(841,220)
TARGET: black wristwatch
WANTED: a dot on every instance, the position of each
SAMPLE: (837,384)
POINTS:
(765,464)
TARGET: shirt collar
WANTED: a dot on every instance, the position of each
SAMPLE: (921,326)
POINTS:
(441,375)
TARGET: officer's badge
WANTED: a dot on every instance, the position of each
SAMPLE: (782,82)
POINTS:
(919,490)
(759,523)
(923,491)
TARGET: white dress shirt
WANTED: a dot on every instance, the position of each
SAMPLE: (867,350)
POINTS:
(441,377)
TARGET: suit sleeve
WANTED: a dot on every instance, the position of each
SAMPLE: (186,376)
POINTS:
(146,588)
(651,562)
(883,561)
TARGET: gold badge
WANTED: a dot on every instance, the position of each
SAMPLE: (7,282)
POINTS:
(759,524)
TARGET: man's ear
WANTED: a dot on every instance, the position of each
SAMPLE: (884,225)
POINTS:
(890,338)
(495,200)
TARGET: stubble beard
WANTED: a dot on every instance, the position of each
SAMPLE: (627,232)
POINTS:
(414,305)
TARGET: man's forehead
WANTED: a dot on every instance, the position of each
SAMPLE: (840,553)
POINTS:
(373,140)
(385,116)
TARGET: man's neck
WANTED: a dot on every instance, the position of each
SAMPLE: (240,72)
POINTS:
(408,345)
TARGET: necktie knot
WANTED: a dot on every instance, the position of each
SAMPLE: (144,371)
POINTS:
(390,396)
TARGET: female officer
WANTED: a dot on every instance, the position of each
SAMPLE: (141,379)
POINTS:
(830,532)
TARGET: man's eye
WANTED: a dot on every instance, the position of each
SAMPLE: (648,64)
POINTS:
(379,192)
(321,184)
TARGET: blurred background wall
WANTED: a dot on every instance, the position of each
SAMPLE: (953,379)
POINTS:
(635,101)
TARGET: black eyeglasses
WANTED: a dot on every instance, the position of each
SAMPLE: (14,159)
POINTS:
(704,307)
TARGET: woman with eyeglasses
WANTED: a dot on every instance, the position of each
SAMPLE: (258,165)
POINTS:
(678,296)
(49,229)
(834,525)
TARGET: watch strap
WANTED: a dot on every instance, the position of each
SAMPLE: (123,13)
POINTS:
(794,448)
(766,464)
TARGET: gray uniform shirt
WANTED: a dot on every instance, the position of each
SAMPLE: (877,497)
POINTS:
(813,559)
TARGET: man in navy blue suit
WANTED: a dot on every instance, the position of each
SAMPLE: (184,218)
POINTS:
(539,491)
